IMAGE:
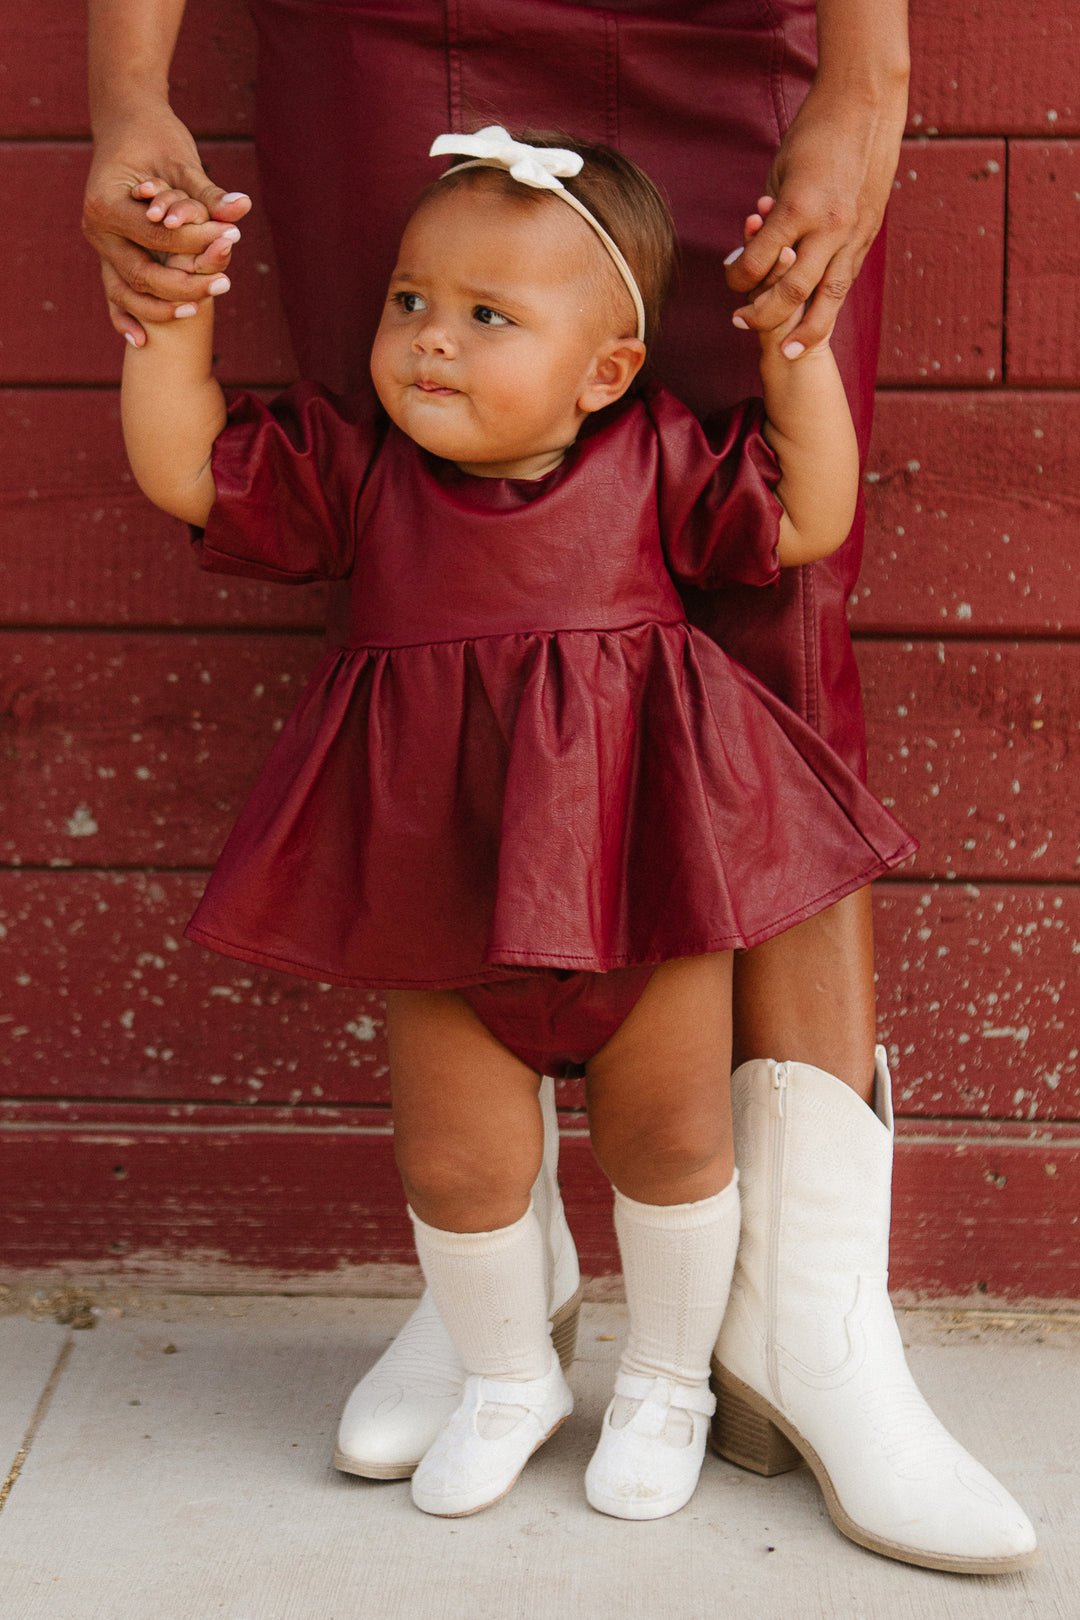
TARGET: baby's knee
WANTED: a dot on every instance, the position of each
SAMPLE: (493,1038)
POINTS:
(671,1161)
(459,1192)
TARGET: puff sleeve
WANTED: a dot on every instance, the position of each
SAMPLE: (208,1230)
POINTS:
(718,510)
(290,478)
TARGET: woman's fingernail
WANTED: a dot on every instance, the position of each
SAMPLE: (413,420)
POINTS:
(219,284)
(737,254)
(129,339)
(184,312)
(787,256)
(793,350)
(737,320)
(235,196)
(231,235)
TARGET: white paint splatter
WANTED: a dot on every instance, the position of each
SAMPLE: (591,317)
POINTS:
(81,824)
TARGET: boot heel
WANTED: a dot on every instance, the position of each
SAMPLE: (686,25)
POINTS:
(748,1438)
(564,1326)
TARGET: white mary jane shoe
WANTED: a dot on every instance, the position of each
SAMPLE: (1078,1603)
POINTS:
(398,1408)
(486,1443)
(648,1465)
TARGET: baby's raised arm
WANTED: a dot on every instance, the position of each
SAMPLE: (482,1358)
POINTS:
(810,429)
(173,409)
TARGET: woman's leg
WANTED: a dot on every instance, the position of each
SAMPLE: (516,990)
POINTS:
(468,1136)
(809,994)
(660,1118)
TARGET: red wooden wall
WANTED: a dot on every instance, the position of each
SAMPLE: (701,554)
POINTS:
(171,1116)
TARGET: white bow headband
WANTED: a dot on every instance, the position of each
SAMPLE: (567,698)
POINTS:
(538,166)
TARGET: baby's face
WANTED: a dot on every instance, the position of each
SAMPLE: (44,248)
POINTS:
(494,342)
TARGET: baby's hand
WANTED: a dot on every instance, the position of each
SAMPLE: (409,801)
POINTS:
(172,209)
(773,339)
(783,262)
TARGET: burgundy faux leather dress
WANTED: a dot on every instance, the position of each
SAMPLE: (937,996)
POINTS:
(516,755)
(699,92)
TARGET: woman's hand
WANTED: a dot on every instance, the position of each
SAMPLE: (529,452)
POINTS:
(148,197)
(828,187)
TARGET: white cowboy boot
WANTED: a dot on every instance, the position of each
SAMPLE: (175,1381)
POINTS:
(401,1404)
(809,1363)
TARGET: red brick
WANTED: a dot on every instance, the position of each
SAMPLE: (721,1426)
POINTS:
(1043,329)
(994,67)
(968,496)
(943,298)
(83,546)
(60,333)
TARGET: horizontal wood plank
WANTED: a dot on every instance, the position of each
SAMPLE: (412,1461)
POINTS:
(994,66)
(979,999)
(987,1212)
(102,998)
(114,743)
(139,749)
(969,497)
(976,747)
(967,78)
(981,1212)
(59,331)
(1043,313)
(82,544)
(943,307)
(43,69)
(942,320)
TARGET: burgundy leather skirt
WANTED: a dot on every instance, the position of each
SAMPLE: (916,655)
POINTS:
(351,93)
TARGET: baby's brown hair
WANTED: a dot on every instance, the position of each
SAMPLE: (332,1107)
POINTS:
(621,197)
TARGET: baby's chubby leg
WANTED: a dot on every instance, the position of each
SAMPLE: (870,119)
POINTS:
(660,1116)
(469,1141)
(468,1132)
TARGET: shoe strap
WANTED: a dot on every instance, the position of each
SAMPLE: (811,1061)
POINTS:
(533,1393)
(664,1392)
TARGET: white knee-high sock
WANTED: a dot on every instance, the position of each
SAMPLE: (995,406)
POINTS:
(490,1290)
(677,1264)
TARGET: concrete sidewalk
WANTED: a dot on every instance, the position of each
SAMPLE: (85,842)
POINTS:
(174,1464)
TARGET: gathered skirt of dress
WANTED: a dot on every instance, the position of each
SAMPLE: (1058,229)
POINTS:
(447,814)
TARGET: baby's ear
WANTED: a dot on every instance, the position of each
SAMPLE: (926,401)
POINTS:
(615,365)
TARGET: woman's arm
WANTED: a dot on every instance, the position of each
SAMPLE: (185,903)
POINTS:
(833,174)
(173,409)
(137,136)
(809,426)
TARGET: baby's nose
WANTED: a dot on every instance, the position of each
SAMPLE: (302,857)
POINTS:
(434,337)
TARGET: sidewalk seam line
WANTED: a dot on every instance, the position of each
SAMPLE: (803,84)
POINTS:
(40,1410)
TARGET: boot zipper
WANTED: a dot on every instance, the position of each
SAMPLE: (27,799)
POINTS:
(777,1102)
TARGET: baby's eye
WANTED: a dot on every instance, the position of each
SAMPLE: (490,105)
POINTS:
(411,303)
(490,317)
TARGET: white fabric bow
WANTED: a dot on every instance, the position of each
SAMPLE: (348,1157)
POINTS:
(538,166)
(533,165)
